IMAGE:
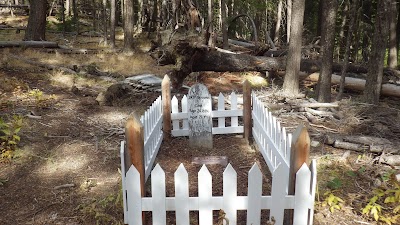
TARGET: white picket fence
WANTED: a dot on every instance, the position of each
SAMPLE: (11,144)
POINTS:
(180,124)
(153,135)
(272,140)
(273,143)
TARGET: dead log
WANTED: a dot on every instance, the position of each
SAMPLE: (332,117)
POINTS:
(28,44)
(359,84)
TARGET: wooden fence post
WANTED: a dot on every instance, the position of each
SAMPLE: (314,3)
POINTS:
(135,148)
(299,154)
(166,102)
(247,110)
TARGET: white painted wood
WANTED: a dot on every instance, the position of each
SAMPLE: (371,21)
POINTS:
(234,119)
(227,130)
(280,182)
(230,194)
(158,195)
(174,108)
(182,196)
(134,196)
(313,167)
(221,107)
(123,172)
(227,113)
(205,196)
(180,133)
(254,196)
(185,110)
(302,196)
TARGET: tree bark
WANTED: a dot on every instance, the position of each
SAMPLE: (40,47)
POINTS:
(291,82)
(289,19)
(392,59)
(375,66)
(278,22)
(104,15)
(353,15)
(224,27)
(112,23)
(36,28)
(327,42)
(128,26)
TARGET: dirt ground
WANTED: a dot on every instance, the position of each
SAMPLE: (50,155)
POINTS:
(66,167)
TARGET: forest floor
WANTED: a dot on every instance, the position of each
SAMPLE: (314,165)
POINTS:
(66,167)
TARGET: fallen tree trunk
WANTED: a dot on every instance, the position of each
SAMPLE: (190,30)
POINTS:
(28,44)
(359,84)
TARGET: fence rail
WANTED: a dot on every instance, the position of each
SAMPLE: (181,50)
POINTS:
(180,125)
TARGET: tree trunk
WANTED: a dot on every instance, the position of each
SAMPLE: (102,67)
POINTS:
(36,29)
(289,18)
(63,17)
(327,42)
(375,66)
(75,16)
(212,37)
(224,27)
(278,22)
(112,23)
(353,14)
(291,82)
(128,26)
(104,15)
(392,59)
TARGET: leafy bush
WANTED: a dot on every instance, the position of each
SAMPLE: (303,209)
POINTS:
(9,137)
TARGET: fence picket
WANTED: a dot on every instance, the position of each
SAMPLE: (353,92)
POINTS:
(158,195)
(254,196)
(230,194)
(174,107)
(185,110)
(221,107)
(123,173)
(234,119)
(134,196)
(302,195)
(205,196)
(182,195)
(280,180)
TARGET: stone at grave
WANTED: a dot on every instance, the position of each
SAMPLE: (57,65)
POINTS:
(211,160)
(200,121)
(146,79)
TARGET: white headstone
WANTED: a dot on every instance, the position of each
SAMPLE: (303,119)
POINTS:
(200,121)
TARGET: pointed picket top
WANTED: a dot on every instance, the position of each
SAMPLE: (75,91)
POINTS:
(302,199)
(230,193)
(221,101)
(174,103)
(158,195)
(280,179)
(205,196)
(233,100)
(182,195)
(254,195)
(184,104)
(134,196)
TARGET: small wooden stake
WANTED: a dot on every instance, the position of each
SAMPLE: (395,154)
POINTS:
(166,102)
(247,110)
(135,148)
(299,154)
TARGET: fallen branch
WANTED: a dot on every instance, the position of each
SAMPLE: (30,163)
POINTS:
(359,84)
(28,44)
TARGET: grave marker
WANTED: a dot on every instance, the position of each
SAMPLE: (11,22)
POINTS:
(200,120)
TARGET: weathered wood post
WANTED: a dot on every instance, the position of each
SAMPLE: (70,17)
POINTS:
(135,148)
(166,102)
(247,110)
(299,154)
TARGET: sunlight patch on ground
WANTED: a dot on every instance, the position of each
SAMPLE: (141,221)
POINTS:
(68,158)
(110,117)
(62,80)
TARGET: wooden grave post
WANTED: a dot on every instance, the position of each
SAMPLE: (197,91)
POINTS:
(166,103)
(299,154)
(247,110)
(200,120)
(135,149)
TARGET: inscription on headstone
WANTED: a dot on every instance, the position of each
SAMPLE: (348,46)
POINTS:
(200,121)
